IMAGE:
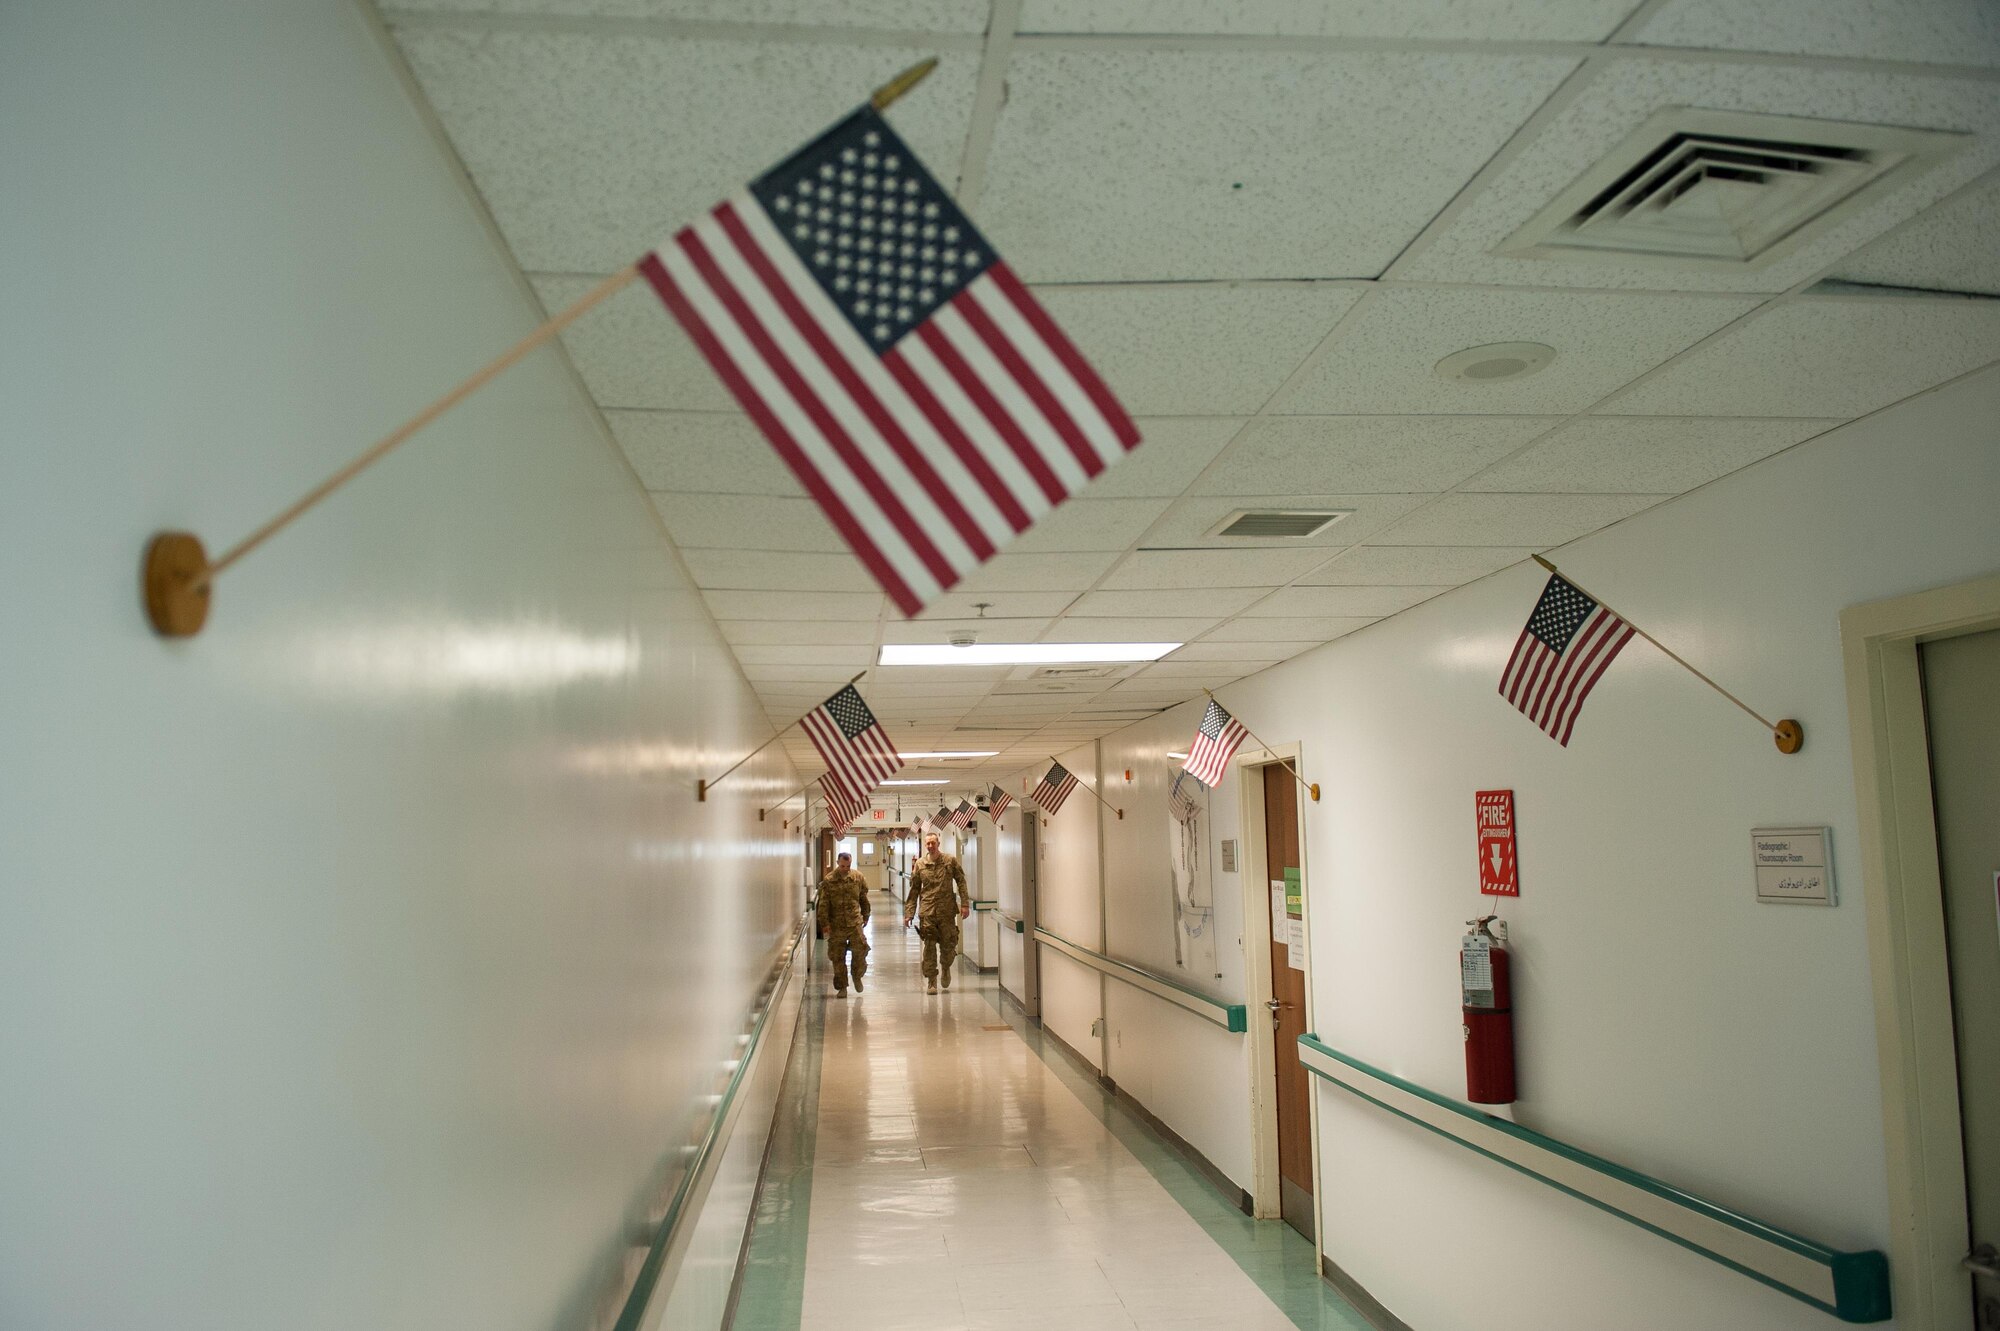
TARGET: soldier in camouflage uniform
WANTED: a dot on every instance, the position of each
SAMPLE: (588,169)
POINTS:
(938,892)
(843,909)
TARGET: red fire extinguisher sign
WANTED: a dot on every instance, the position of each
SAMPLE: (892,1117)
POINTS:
(1499,871)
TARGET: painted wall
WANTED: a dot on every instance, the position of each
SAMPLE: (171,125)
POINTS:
(363,956)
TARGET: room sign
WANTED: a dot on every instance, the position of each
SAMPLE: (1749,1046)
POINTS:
(1794,865)
(1499,870)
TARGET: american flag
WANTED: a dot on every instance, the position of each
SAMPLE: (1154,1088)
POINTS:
(1054,788)
(920,394)
(963,815)
(842,805)
(1216,741)
(858,752)
(1180,800)
(997,802)
(1569,641)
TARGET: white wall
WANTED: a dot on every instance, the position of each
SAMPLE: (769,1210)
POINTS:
(364,955)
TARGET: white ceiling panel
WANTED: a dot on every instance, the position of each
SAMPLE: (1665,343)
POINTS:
(1163,602)
(701,452)
(1175,629)
(1317,629)
(932,681)
(999,605)
(1821,357)
(591,148)
(747,522)
(777,570)
(1255,653)
(856,607)
(1090,142)
(1513,519)
(1951,32)
(1089,524)
(1205,671)
(1369,602)
(942,16)
(1414,565)
(1367,454)
(833,632)
(1172,452)
(988,630)
(1621,94)
(1384,359)
(1197,350)
(631,353)
(1643,454)
(1012,572)
(1147,568)
(1187,522)
(851,657)
(797,674)
(1950,247)
(1496,20)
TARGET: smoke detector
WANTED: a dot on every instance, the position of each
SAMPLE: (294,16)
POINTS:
(1496,360)
(961,637)
(1724,189)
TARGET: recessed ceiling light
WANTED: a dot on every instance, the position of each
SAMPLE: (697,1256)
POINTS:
(1496,360)
(954,753)
(1021,653)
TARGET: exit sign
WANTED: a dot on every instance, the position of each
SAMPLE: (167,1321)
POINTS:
(1499,870)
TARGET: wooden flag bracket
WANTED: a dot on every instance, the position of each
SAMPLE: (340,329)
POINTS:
(1093,790)
(1788,734)
(176,576)
(1310,787)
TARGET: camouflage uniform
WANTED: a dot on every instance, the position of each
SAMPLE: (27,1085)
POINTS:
(843,909)
(937,893)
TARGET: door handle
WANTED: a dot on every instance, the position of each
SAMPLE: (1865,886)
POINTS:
(1983,1261)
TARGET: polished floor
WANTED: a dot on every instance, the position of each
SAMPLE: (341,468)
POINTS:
(938,1165)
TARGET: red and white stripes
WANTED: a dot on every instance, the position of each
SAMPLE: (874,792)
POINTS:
(1549,687)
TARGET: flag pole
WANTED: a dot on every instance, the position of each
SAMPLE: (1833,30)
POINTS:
(1788,734)
(1093,790)
(701,788)
(176,575)
(779,804)
(1310,787)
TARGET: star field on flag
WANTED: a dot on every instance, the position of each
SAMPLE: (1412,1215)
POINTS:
(1216,741)
(996,803)
(858,752)
(1053,788)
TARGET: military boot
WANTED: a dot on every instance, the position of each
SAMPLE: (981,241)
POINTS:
(930,985)
(944,977)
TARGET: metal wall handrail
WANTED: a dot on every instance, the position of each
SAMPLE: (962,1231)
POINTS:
(1853,1286)
(1014,922)
(1229,1016)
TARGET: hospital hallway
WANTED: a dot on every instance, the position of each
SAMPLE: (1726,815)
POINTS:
(939,1162)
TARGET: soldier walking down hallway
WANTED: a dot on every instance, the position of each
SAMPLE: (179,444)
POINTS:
(843,909)
(938,900)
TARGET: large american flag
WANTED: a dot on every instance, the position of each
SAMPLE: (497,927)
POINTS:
(997,802)
(858,753)
(920,394)
(1562,653)
(1216,741)
(1054,788)
(842,805)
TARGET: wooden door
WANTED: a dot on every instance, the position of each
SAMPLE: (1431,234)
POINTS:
(1288,1002)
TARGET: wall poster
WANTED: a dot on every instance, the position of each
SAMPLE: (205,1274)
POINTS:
(1190,877)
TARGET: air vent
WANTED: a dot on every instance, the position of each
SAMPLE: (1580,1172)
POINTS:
(1716,189)
(1276,524)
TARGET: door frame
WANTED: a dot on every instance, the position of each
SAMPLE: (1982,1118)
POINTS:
(1266,1192)
(1903,897)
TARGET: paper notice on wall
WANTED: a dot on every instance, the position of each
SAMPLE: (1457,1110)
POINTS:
(1295,944)
(1278,934)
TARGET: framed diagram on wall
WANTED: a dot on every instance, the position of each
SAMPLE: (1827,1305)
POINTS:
(1191,877)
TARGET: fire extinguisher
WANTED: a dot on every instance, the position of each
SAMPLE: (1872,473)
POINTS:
(1484,978)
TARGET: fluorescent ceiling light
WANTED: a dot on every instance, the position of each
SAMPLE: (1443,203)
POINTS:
(926,781)
(1021,653)
(956,753)
(1181,756)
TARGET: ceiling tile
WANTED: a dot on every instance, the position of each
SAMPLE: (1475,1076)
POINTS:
(1090,524)
(1383,360)
(548,124)
(631,353)
(1949,247)
(999,605)
(1197,350)
(936,681)
(1952,32)
(747,522)
(1617,95)
(1643,454)
(1187,522)
(988,630)
(1256,652)
(1318,629)
(1172,452)
(1090,143)
(1012,572)
(1513,519)
(1504,20)
(841,632)
(1414,565)
(1367,454)
(1346,601)
(1821,357)
(1176,629)
(1214,602)
(797,674)
(701,452)
(1213,568)
(858,607)
(942,16)
(851,657)
(777,570)
(1200,671)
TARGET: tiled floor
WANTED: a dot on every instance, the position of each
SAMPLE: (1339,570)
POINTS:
(937,1166)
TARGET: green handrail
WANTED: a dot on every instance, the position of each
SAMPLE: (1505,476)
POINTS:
(1229,1016)
(1853,1286)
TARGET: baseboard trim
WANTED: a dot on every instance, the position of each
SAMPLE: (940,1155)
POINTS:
(1364,1303)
